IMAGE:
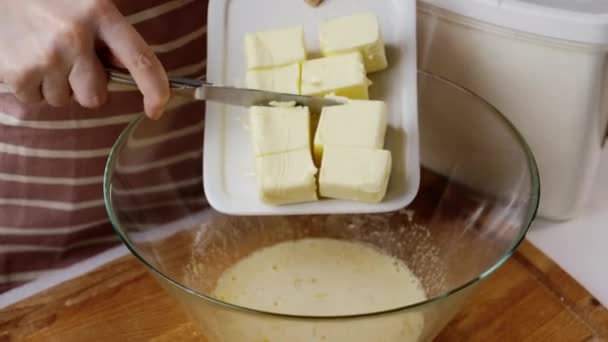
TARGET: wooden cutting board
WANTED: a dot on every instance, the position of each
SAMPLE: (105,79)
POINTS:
(528,299)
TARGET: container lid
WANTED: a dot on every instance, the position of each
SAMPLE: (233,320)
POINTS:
(583,21)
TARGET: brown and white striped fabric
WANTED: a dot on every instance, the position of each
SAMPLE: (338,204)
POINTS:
(52,160)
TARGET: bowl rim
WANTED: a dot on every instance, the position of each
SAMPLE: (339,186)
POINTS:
(530,215)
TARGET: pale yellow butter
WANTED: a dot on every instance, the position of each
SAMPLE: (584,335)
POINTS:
(279,129)
(285,79)
(287,178)
(357,174)
(355,124)
(275,48)
(343,75)
(360,32)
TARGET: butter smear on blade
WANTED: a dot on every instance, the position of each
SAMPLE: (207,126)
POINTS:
(275,48)
(279,129)
(357,174)
(287,178)
(360,32)
(355,124)
(343,75)
(285,79)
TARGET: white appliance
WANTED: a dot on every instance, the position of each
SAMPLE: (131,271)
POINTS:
(544,64)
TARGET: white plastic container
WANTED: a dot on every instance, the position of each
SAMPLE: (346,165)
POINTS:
(544,64)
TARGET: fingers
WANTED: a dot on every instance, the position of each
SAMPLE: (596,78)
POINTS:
(88,81)
(67,62)
(32,94)
(129,47)
(27,86)
(55,88)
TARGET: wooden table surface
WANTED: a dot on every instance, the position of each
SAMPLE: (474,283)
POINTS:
(528,299)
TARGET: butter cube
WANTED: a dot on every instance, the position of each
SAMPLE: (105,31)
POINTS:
(279,129)
(274,48)
(355,124)
(356,174)
(287,178)
(360,32)
(342,75)
(284,79)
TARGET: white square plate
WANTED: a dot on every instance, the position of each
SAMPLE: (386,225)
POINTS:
(229,163)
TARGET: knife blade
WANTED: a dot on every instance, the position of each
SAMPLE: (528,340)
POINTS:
(201,90)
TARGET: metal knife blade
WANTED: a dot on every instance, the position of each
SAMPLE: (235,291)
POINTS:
(201,90)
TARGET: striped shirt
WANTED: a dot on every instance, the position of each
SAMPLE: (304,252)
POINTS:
(52,160)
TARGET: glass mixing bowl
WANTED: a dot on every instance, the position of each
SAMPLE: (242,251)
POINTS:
(478,196)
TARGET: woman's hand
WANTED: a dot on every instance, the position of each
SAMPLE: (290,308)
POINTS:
(48,51)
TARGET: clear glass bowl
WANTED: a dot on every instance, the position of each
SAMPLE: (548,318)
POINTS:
(478,196)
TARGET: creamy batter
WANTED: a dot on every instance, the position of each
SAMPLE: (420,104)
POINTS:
(322,277)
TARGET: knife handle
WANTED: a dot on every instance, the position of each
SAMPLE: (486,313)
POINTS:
(123,77)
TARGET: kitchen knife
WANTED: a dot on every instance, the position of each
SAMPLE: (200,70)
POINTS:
(201,90)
